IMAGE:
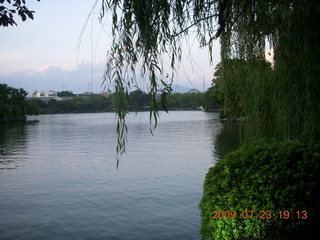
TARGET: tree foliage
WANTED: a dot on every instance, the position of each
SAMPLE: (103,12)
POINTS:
(12,104)
(284,104)
(86,104)
(185,101)
(10,8)
(232,86)
(261,177)
(65,94)
(139,101)
(144,31)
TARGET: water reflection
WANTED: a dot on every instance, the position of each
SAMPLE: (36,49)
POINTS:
(67,185)
(12,145)
(228,139)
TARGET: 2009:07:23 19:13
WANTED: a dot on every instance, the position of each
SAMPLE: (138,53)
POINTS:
(303,214)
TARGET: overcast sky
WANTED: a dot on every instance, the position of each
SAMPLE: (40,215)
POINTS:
(43,54)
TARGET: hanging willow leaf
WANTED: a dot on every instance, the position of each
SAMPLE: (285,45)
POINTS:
(144,31)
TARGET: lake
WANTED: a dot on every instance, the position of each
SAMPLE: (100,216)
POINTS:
(59,179)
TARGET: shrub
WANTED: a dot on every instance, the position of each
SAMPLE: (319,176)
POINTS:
(279,176)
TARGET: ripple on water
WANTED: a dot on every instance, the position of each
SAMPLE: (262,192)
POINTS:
(58,177)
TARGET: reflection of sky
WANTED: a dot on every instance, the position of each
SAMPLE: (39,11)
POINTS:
(43,53)
(68,184)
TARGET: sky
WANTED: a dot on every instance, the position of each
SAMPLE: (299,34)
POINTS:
(58,51)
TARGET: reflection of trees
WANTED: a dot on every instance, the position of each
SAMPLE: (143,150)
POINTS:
(227,139)
(12,145)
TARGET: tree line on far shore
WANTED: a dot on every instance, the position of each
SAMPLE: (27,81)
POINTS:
(14,107)
(138,101)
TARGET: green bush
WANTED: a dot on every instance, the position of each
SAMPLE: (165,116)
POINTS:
(272,177)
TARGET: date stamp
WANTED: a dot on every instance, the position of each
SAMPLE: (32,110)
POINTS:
(263,214)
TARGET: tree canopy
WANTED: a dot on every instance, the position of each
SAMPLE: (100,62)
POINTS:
(12,104)
(284,102)
(10,8)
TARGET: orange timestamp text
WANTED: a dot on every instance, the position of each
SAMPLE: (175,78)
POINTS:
(263,214)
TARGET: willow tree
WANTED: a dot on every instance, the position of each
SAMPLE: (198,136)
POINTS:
(282,103)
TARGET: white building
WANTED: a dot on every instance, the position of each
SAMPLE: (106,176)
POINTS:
(45,93)
(45,96)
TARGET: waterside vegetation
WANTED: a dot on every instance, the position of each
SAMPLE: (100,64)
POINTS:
(139,101)
(277,167)
(12,104)
(279,100)
(263,191)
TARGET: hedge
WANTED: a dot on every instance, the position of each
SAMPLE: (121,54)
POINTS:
(262,177)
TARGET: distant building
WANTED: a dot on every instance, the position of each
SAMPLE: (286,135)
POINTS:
(45,93)
(45,96)
(193,90)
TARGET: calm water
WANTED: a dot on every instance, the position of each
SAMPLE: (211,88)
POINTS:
(58,178)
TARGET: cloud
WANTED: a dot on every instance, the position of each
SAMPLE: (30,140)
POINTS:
(78,80)
(43,68)
(58,79)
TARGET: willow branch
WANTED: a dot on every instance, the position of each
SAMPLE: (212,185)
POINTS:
(195,23)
